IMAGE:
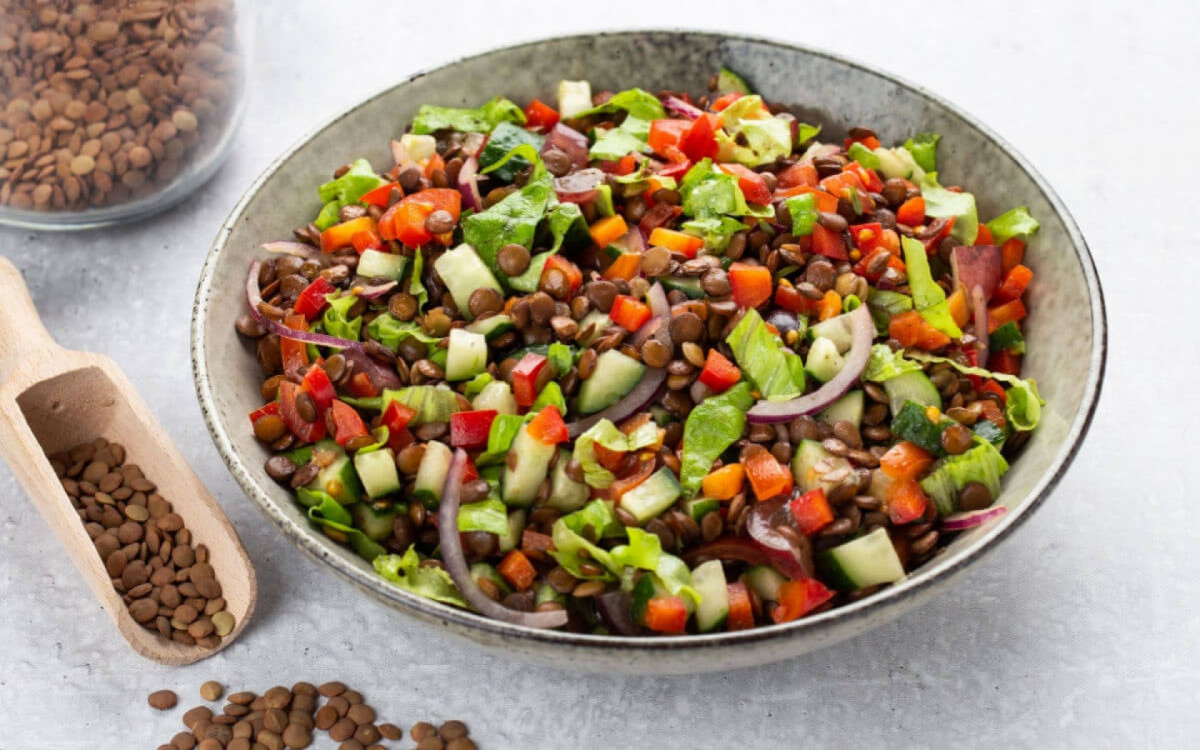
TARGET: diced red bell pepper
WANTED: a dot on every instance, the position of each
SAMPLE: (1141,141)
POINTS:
(405,221)
(1005,362)
(983,236)
(912,212)
(665,137)
(753,185)
(797,175)
(741,612)
(364,241)
(722,102)
(676,169)
(540,116)
(294,353)
(719,373)
(271,408)
(469,429)
(395,418)
(798,598)
(525,377)
(1014,284)
(837,185)
(1012,253)
(867,236)
(342,235)
(569,270)
(470,471)
(517,570)
(626,165)
(905,461)
(306,432)
(868,177)
(380,195)
(811,511)
(829,243)
(992,413)
(931,242)
(666,614)
(906,501)
(361,386)
(629,313)
(991,386)
(677,242)
(752,285)
(640,473)
(312,300)
(868,258)
(346,422)
(790,298)
(768,478)
(1009,312)
(869,141)
(700,141)
(319,388)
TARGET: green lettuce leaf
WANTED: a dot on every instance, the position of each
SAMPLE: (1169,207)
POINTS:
(751,135)
(644,552)
(514,219)
(637,102)
(406,572)
(567,226)
(884,304)
(716,231)
(1023,406)
(488,515)
(325,511)
(885,364)
(940,202)
(567,534)
(923,147)
(606,434)
(708,192)
(390,331)
(483,119)
(711,427)
(630,136)
(335,321)
(803,210)
(1007,337)
(551,395)
(982,463)
(863,155)
(503,139)
(928,297)
(500,438)
(1016,222)
(344,190)
(762,357)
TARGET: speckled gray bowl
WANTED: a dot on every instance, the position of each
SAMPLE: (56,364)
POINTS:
(1066,329)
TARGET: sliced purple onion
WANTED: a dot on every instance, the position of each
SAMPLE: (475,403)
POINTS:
(399,153)
(745,550)
(632,241)
(791,552)
(977,266)
(817,150)
(677,106)
(979,301)
(579,187)
(473,143)
(570,141)
(375,292)
(297,249)
(456,563)
(862,332)
(616,612)
(254,299)
(381,376)
(971,519)
(468,184)
(659,325)
(642,394)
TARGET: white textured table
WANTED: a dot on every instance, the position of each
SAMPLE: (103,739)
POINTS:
(1081,631)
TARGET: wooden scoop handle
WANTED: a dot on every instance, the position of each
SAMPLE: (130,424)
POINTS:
(21,330)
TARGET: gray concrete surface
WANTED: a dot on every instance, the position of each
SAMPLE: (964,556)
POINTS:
(1082,631)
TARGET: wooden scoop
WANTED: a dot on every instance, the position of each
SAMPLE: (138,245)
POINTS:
(51,400)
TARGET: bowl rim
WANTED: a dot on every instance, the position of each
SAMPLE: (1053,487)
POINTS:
(917,585)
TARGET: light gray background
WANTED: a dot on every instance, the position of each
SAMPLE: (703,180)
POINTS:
(1079,632)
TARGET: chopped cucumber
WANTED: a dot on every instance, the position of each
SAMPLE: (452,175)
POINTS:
(599,321)
(338,478)
(516,525)
(699,507)
(373,264)
(866,561)
(466,356)
(463,272)
(566,495)
(482,571)
(525,469)
(689,285)
(838,330)
(709,581)
(812,463)
(729,82)
(824,360)
(898,162)
(848,408)
(652,496)
(377,471)
(492,326)
(431,474)
(496,395)
(615,375)
(765,581)
(375,523)
(433,403)
(913,424)
(604,203)
(911,386)
(573,97)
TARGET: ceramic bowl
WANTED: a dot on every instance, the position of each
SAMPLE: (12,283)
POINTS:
(1065,329)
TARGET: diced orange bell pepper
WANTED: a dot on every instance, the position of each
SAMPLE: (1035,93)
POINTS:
(517,570)
(905,461)
(1012,253)
(435,163)
(666,614)
(798,598)
(825,202)
(608,230)
(548,427)
(811,511)
(405,221)
(665,137)
(626,266)
(722,102)
(294,353)
(831,305)
(629,313)
(1009,312)
(752,285)
(797,175)
(1014,284)
(906,501)
(379,196)
(957,302)
(912,212)
(790,298)
(677,242)
(724,483)
(910,329)
(568,269)
(342,235)
(741,611)
(768,478)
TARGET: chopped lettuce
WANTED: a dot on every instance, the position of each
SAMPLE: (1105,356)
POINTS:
(500,438)
(928,297)
(407,572)
(711,427)
(488,515)
(416,286)
(885,364)
(606,434)
(326,511)
(923,147)
(982,463)
(1007,337)
(1016,222)
(335,319)
(644,551)
(514,219)
(1023,403)
(751,135)
(483,119)
(863,155)
(942,203)
(342,191)
(716,231)
(390,331)
(567,226)
(551,395)
(638,103)
(803,210)
(708,192)
(763,358)
(884,304)
(504,139)
(561,357)
(568,537)
(630,136)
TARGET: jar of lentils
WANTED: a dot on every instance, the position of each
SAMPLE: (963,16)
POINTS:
(111,110)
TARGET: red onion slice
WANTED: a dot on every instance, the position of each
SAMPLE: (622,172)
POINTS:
(456,564)
(791,554)
(979,302)
(381,376)
(375,292)
(862,331)
(399,153)
(254,299)
(744,550)
(570,141)
(579,187)
(473,143)
(677,106)
(632,241)
(616,611)
(642,394)
(977,266)
(468,184)
(971,519)
(659,325)
(298,249)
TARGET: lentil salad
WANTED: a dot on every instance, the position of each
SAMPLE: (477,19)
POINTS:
(641,363)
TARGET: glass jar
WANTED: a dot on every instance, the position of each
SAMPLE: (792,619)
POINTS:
(112,110)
